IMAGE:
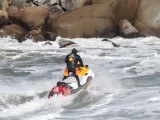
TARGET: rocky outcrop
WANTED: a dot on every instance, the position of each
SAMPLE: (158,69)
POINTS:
(15,31)
(148,18)
(127,30)
(90,21)
(46,19)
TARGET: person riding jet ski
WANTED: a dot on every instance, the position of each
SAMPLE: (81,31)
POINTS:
(72,60)
(61,88)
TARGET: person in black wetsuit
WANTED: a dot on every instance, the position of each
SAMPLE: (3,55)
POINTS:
(72,60)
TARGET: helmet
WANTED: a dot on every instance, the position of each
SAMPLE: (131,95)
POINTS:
(59,83)
(74,51)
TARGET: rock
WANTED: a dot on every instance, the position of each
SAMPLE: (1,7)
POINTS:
(36,31)
(72,4)
(128,31)
(28,1)
(1,33)
(114,44)
(3,18)
(64,43)
(54,13)
(29,17)
(48,43)
(89,21)
(99,1)
(4,5)
(124,9)
(19,4)
(38,38)
(148,18)
(15,31)
(50,36)
(45,3)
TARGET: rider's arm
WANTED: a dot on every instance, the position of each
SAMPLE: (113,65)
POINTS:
(66,59)
(80,60)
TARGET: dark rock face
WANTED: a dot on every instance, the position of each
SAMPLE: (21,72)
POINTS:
(3,18)
(50,36)
(90,21)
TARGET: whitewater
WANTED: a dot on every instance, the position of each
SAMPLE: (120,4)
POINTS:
(126,84)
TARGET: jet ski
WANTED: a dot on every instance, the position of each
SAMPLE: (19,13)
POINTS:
(70,85)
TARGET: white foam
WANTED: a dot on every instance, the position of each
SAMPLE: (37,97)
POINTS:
(154,99)
(110,64)
(55,104)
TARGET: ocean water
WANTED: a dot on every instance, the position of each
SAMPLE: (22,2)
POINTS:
(126,85)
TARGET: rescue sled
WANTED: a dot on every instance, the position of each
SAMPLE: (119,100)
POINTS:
(70,85)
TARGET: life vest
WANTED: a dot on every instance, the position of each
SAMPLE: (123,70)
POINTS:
(66,91)
(61,90)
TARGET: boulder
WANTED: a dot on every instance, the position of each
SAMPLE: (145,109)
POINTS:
(34,32)
(29,17)
(127,30)
(64,43)
(3,18)
(148,18)
(90,21)
(15,31)
(38,38)
(124,9)
(50,36)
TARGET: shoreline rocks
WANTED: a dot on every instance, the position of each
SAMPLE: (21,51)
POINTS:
(45,19)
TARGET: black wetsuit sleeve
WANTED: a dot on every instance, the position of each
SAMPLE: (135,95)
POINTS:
(80,60)
(67,58)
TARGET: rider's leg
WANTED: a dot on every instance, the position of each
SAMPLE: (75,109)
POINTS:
(78,81)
